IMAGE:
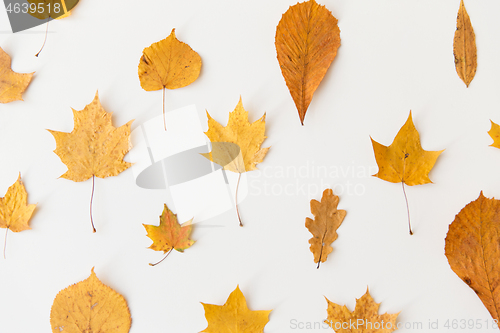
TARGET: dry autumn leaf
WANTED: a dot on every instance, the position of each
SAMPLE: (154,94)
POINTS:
(50,9)
(327,219)
(95,148)
(169,235)
(236,147)
(364,318)
(404,161)
(307,39)
(12,84)
(169,64)
(15,212)
(472,247)
(464,47)
(494,132)
(234,316)
(89,306)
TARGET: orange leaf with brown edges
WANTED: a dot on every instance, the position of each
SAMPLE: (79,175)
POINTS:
(472,247)
(307,39)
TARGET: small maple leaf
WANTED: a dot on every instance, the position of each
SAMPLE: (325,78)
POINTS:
(404,161)
(15,212)
(494,133)
(169,234)
(364,318)
(89,306)
(236,147)
(12,84)
(307,39)
(324,227)
(95,148)
(464,47)
(234,316)
(472,247)
(169,64)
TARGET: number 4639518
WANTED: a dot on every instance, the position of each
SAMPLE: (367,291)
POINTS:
(32,8)
(471,323)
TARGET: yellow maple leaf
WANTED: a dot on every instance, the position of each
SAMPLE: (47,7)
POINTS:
(327,219)
(307,39)
(12,84)
(464,47)
(364,318)
(169,234)
(89,306)
(236,147)
(95,148)
(494,133)
(404,161)
(234,316)
(15,212)
(169,64)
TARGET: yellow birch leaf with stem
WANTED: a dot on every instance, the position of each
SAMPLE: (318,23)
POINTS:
(168,64)
(95,148)
(236,147)
(169,234)
(12,84)
(15,212)
(47,9)
(404,161)
(234,316)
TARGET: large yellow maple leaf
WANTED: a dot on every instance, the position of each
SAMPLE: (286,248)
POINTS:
(234,316)
(12,84)
(169,235)
(89,306)
(364,318)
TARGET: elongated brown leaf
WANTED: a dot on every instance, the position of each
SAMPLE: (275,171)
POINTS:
(307,39)
(473,250)
(464,47)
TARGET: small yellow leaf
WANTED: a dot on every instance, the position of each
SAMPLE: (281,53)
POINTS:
(89,306)
(236,147)
(464,47)
(494,132)
(364,318)
(234,316)
(404,160)
(324,227)
(12,84)
(95,147)
(307,39)
(169,64)
(15,212)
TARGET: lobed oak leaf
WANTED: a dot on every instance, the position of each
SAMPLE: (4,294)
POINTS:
(472,246)
(15,212)
(95,148)
(404,161)
(12,84)
(307,39)
(464,47)
(237,147)
(364,318)
(234,316)
(327,219)
(169,234)
(89,306)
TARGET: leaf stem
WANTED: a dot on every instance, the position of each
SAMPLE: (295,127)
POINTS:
(407,208)
(163,109)
(162,258)
(91,200)
(45,39)
(236,199)
(5,242)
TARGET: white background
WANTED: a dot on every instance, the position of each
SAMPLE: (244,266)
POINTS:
(395,56)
